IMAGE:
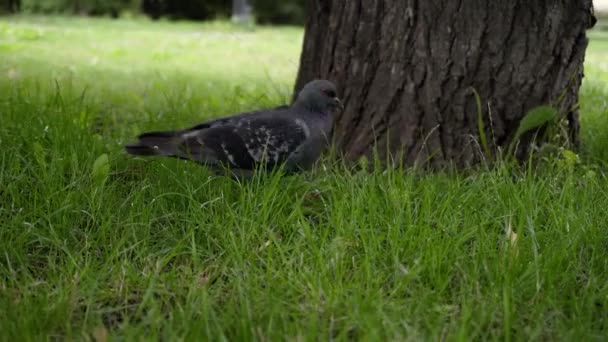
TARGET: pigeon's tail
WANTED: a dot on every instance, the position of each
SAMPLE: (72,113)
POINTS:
(155,144)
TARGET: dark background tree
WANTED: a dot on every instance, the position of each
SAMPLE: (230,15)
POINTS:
(264,11)
(280,12)
(406,70)
(241,11)
(9,6)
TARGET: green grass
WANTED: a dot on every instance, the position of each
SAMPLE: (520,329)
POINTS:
(162,249)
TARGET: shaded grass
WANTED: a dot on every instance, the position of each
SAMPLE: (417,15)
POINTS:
(162,249)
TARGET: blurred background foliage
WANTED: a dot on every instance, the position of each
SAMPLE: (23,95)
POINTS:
(265,11)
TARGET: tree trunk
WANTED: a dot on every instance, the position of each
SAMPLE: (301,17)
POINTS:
(241,11)
(14,6)
(10,6)
(406,70)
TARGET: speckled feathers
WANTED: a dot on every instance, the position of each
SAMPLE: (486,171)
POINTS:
(292,136)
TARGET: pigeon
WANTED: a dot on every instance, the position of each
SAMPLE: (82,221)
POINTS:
(293,137)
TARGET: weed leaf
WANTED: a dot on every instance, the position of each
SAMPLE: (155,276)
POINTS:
(535,118)
(39,154)
(101,169)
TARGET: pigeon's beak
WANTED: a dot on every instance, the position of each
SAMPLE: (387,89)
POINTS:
(339,103)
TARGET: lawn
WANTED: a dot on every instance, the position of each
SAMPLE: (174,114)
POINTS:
(130,248)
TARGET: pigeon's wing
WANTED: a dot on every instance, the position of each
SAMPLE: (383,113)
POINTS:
(247,142)
(274,139)
(234,119)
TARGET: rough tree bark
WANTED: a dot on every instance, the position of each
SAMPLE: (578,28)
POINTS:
(405,69)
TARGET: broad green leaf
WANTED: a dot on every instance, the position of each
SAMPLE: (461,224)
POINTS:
(535,118)
(39,154)
(101,169)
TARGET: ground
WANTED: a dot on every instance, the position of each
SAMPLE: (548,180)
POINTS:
(94,243)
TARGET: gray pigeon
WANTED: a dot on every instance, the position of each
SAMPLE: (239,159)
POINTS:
(293,136)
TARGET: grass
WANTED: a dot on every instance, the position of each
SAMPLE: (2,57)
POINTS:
(160,249)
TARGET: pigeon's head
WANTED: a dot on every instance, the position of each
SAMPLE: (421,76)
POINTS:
(319,95)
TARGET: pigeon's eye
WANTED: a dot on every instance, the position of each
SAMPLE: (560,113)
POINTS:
(329,93)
